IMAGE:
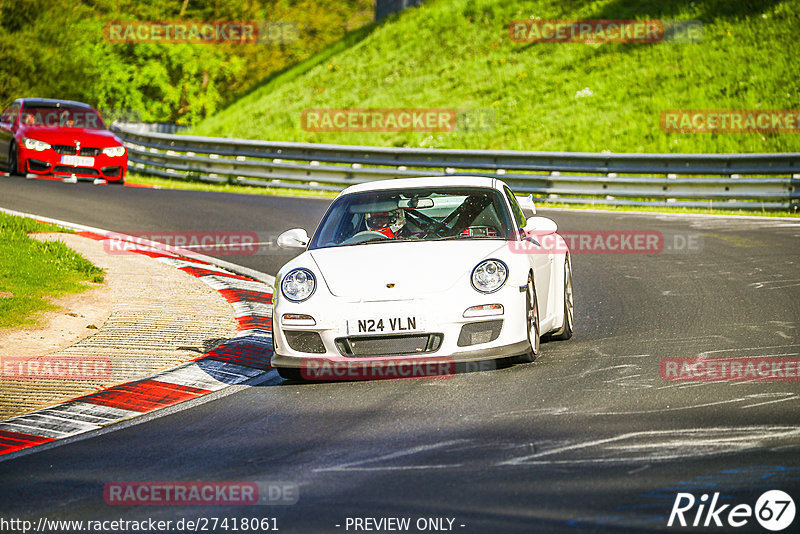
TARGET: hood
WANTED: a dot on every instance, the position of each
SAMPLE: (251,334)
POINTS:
(68,136)
(416,269)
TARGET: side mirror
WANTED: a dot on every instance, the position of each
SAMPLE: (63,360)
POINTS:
(527,204)
(539,226)
(294,238)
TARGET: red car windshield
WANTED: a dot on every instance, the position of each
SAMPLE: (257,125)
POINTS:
(62,117)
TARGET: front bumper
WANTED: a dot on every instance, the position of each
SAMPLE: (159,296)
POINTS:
(481,354)
(48,163)
(444,332)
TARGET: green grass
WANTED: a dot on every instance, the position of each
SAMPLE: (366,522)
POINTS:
(31,272)
(456,54)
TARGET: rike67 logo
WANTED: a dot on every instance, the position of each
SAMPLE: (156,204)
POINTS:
(774,510)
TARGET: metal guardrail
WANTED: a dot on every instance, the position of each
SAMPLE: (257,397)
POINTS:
(153,127)
(685,180)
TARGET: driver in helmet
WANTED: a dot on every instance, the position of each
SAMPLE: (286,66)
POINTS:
(66,119)
(388,223)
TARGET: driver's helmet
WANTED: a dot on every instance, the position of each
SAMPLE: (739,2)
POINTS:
(387,223)
(65,118)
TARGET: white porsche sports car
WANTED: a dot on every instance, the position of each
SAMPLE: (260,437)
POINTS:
(422,268)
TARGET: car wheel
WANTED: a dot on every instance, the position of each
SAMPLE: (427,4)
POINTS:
(12,161)
(532,322)
(565,332)
(290,373)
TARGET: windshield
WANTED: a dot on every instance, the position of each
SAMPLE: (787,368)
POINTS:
(62,117)
(428,214)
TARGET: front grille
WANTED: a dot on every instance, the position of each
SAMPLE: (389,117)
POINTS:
(70,150)
(67,150)
(482,332)
(305,342)
(76,170)
(359,346)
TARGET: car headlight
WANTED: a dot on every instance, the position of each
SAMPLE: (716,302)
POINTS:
(489,276)
(34,144)
(114,151)
(298,285)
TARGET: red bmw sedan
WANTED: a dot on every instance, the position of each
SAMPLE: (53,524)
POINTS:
(60,138)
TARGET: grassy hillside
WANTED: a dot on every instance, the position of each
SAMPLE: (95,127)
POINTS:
(576,97)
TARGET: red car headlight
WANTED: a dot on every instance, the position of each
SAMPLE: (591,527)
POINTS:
(114,151)
(34,144)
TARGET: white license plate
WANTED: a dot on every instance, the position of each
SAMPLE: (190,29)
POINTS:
(384,325)
(78,161)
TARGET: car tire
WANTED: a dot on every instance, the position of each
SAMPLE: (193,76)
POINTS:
(13,164)
(566,330)
(290,373)
(532,324)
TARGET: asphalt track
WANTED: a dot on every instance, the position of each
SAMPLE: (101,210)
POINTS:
(589,438)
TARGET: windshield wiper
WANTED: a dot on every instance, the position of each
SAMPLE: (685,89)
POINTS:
(446,238)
